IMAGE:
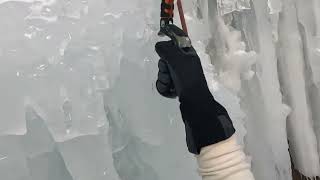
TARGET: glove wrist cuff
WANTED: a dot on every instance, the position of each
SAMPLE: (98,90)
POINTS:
(206,123)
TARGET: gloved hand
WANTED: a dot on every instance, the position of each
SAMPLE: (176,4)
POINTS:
(180,74)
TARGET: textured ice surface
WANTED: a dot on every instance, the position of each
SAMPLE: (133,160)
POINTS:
(78,99)
(294,84)
(260,96)
(228,6)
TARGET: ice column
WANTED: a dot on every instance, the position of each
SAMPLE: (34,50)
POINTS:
(302,139)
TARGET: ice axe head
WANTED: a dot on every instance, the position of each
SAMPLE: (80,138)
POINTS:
(167,9)
(177,35)
(167,28)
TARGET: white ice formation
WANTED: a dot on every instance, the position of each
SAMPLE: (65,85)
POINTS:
(78,100)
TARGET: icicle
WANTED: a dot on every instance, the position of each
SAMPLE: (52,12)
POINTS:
(300,131)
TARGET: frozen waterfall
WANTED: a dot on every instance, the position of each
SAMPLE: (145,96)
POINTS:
(78,97)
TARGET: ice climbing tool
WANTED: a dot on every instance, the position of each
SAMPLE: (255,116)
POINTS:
(167,27)
(167,8)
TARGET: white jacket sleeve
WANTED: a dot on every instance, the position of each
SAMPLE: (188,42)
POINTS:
(224,161)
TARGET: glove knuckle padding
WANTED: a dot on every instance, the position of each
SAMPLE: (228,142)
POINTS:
(165,49)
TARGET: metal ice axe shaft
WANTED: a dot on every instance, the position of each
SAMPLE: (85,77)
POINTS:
(182,19)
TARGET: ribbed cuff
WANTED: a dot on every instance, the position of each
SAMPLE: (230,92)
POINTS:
(224,161)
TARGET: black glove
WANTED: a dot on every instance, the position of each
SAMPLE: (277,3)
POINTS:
(180,74)
(164,83)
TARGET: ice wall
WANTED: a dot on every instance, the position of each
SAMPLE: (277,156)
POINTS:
(281,33)
(241,39)
(86,72)
(78,99)
(281,97)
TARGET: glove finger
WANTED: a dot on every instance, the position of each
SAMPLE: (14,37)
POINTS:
(164,74)
(163,66)
(164,49)
(165,78)
(165,90)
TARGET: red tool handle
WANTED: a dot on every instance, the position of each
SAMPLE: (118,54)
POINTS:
(182,19)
